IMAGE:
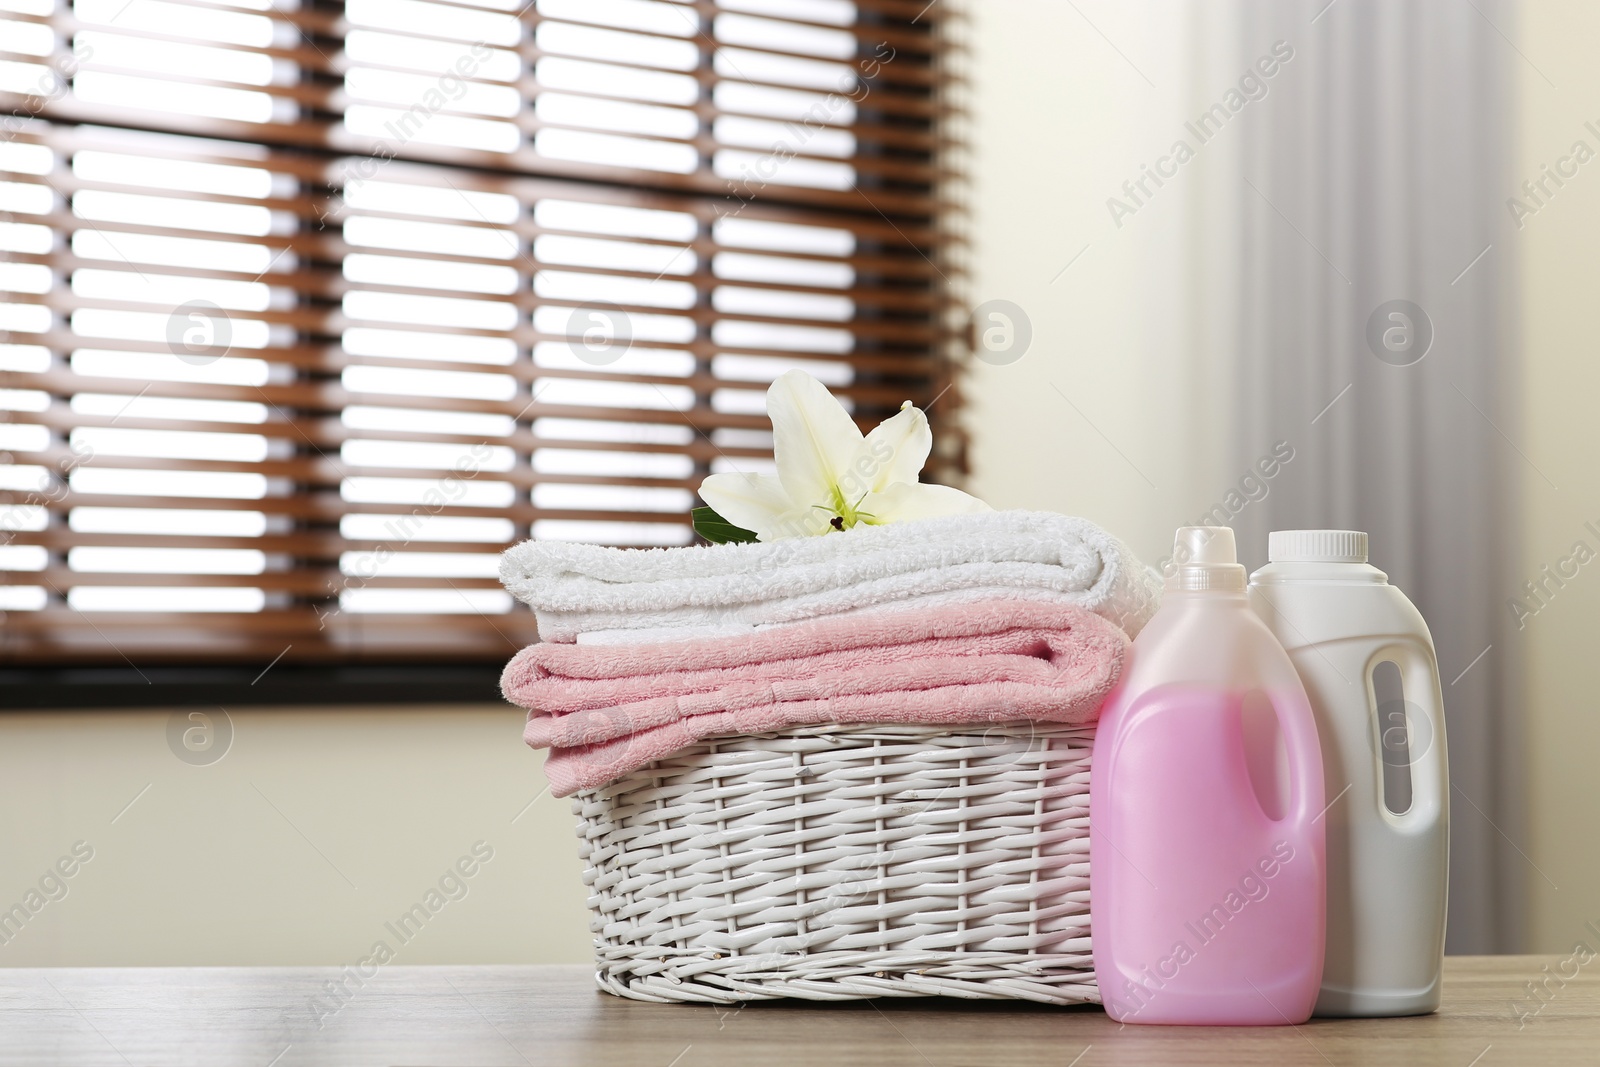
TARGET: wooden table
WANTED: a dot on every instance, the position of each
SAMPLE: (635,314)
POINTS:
(267,1017)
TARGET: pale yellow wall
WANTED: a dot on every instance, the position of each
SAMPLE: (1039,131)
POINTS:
(203,870)
(1040,177)
(1560,283)
(1060,121)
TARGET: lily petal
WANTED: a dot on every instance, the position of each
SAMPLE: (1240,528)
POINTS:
(759,503)
(894,451)
(908,501)
(813,437)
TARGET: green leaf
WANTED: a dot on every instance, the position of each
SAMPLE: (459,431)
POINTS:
(718,530)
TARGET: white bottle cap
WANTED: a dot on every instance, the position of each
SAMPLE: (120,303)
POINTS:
(1317,546)
(1206,559)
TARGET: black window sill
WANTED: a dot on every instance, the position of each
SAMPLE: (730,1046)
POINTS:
(220,686)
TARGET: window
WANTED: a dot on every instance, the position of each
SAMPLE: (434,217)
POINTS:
(308,310)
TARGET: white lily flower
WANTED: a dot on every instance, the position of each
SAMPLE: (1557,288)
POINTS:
(830,477)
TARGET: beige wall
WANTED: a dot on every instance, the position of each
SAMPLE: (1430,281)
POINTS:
(1561,276)
(316,828)
(202,869)
(1038,200)
(1061,121)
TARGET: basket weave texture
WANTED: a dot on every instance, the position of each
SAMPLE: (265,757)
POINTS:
(843,862)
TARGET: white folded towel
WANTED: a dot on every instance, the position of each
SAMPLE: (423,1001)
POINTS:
(578,589)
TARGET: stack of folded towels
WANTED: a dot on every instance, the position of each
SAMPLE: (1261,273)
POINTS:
(991,617)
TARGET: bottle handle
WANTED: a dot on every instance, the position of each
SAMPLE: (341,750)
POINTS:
(1430,771)
(1304,751)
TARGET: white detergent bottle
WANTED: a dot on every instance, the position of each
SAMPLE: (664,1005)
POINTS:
(1367,661)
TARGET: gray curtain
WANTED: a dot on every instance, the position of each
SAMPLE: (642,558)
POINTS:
(1377,171)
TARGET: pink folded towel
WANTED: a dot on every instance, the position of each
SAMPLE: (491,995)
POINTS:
(605,710)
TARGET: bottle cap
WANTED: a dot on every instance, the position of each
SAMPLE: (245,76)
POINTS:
(1206,559)
(1317,546)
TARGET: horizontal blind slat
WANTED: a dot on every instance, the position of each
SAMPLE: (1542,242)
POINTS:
(890,199)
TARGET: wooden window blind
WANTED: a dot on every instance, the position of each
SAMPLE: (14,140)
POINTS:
(308,310)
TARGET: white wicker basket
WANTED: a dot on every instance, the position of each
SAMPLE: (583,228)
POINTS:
(841,862)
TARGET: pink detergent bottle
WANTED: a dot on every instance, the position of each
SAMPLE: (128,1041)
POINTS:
(1206,842)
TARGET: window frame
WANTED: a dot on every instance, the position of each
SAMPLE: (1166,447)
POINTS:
(900,210)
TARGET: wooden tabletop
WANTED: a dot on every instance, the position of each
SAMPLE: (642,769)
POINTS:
(283,1017)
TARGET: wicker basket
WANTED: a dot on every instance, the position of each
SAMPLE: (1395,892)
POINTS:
(842,862)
